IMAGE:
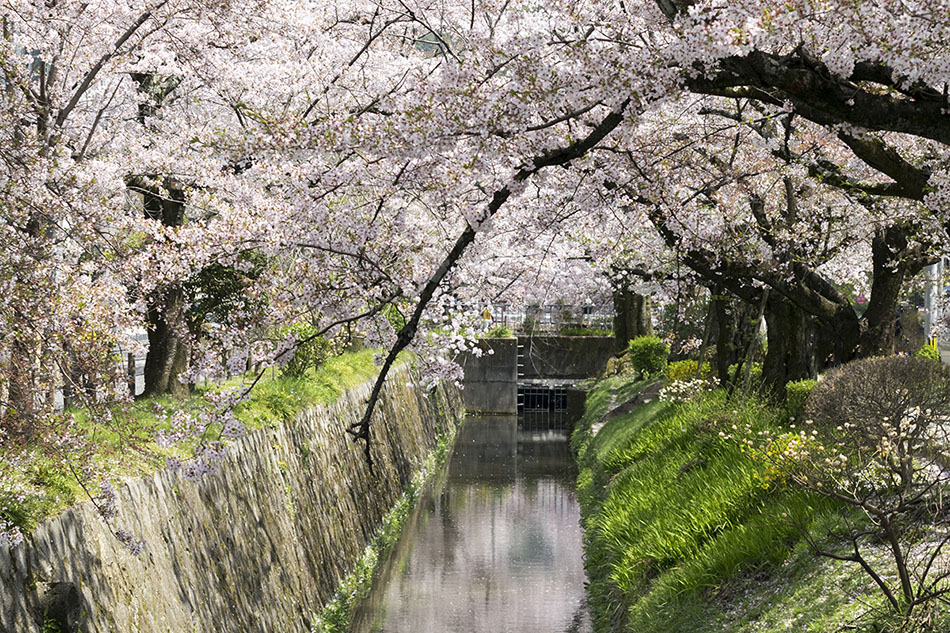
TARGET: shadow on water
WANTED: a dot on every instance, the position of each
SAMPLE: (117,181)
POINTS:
(494,546)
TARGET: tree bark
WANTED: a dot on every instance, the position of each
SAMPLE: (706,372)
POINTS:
(631,317)
(878,322)
(734,331)
(169,347)
(791,346)
(20,413)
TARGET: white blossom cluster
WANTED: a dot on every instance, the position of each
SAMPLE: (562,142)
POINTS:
(685,390)
(10,534)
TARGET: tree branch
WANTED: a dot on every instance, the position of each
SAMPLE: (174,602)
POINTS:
(559,156)
(94,71)
(820,96)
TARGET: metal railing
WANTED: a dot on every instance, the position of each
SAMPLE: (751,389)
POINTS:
(552,318)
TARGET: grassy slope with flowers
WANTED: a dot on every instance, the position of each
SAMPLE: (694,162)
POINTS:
(36,486)
(685,531)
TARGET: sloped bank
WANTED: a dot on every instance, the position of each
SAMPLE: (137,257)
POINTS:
(260,545)
(684,533)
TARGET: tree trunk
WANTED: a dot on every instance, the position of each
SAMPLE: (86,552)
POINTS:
(169,347)
(631,317)
(877,333)
(20,412)
(791,345)
(734,331)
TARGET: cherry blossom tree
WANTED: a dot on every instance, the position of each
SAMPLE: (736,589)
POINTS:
(383,156)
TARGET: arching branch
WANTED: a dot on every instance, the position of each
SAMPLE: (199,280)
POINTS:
(559,156)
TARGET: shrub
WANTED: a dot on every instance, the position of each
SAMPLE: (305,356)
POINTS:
(499,331)
(928,351)
(796,394)
(683,390)
(877,439)
(686,370)
(648,355)
(875,391)
(617,365)
(310,353)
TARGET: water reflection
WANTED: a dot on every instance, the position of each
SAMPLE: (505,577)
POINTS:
(496,547)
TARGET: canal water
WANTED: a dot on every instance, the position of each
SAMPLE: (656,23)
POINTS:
(494,546)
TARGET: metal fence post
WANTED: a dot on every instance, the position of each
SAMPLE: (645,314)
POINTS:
(130,359)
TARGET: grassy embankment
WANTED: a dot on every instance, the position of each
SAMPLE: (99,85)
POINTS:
(683,532)
(42,485)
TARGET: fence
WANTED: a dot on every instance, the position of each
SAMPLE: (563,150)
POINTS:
(553,317)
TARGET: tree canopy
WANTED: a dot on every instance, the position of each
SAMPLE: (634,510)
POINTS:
(342,161)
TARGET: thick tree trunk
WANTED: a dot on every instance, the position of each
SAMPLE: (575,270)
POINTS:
(631,317)
(791,345)
(879,320)
(20,412)
(735,329)
(169,348)
(725,331)
(830,349)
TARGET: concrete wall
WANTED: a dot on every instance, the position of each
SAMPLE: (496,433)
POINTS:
(491,380)
(261,545)
(565,356)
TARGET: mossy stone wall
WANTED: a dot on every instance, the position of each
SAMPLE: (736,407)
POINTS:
(260,545)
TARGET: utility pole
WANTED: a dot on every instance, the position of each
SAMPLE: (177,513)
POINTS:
(932,308)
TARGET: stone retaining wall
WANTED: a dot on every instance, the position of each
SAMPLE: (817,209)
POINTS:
(258,546)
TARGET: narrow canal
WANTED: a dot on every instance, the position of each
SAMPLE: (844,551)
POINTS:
(495,545)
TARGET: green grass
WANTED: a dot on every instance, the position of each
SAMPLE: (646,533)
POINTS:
(498,331)
(39,485)
(279,399)
(683,533)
